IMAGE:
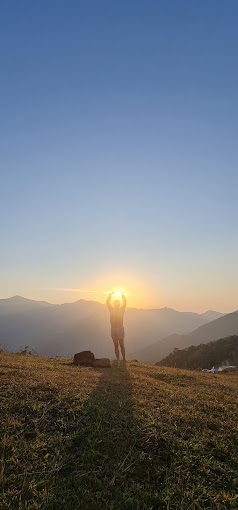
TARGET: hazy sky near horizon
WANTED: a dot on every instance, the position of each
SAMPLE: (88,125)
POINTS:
(118,151)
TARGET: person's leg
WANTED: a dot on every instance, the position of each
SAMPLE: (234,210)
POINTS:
(115,341)
(121,342)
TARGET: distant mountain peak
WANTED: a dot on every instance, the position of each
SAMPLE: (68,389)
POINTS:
(212,314)
(20,302)
(19,298)
(210,311)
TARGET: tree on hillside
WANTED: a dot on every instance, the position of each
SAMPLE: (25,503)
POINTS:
(219,352)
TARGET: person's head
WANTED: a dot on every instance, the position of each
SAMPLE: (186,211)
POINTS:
(117,304)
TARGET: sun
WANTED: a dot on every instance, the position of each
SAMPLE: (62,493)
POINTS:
(117,293)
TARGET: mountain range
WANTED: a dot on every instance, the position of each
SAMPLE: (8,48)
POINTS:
(221,327)
(64,329)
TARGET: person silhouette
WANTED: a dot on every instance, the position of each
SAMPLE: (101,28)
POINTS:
(116,320)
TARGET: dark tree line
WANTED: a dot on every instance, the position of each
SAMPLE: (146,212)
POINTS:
(219,352)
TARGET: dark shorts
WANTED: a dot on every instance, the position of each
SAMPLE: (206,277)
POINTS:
(117,333)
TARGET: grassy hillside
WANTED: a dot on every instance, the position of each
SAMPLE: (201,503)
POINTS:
(223,351)
(131,437)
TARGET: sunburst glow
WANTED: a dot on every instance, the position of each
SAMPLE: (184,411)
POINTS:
(117,293)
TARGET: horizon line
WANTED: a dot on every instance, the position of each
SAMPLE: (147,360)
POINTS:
(136,308)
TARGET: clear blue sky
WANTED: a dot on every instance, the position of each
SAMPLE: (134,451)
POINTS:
(118,150)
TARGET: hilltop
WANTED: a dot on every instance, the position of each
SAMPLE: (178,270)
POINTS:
(130,437)
(219,352)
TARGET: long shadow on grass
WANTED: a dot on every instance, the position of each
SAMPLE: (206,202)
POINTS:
(104,449)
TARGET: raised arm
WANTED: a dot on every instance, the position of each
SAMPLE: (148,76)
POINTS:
(123,301)
(108,302)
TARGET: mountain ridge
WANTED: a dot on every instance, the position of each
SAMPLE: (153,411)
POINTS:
(17,298)
(221,327)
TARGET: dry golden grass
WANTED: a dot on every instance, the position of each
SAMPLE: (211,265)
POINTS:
(131,437)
